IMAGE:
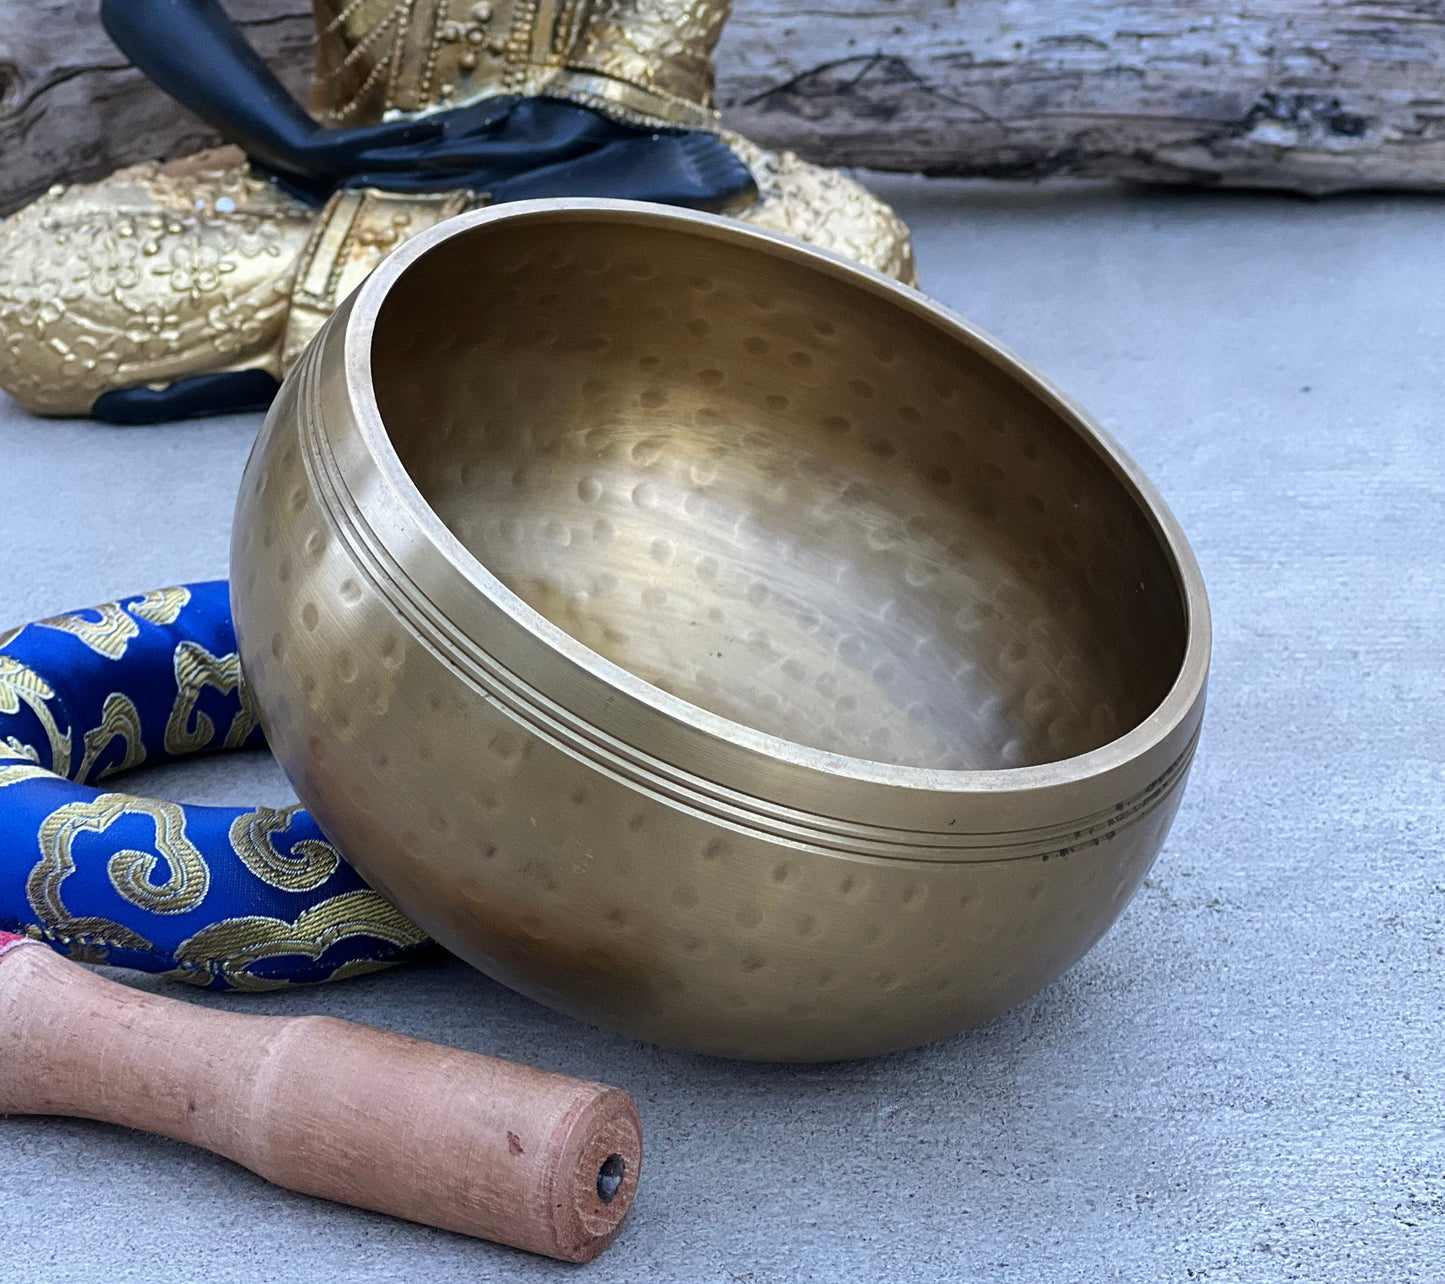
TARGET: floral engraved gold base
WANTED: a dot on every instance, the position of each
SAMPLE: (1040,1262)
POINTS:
(158,272)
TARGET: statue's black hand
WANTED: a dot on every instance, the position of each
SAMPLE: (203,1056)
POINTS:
(478,144)
(516,148)
(533,133)
(336,154)
(691,169)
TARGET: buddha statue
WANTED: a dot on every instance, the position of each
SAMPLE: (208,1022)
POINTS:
(188,288)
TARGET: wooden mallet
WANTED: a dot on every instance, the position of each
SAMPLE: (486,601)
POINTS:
(469,1143)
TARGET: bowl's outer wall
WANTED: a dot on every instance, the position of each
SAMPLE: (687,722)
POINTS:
(592,890)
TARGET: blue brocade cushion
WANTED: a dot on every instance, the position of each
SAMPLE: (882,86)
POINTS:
(224,897)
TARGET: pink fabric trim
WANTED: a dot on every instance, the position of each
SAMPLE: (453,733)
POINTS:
(8,942)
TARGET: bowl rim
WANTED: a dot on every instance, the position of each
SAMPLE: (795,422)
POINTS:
(1180,707)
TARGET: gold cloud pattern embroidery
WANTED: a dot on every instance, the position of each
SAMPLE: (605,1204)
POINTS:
(188,730)
(119,719)
(235,945)
(132,873)
(20,685)
(111,633)
(311,862)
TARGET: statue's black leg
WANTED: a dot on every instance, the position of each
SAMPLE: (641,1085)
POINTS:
(193,398)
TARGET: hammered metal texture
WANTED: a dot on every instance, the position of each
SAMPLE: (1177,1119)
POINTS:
(711,639)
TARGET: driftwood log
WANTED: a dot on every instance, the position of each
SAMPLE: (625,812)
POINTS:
(1309,95)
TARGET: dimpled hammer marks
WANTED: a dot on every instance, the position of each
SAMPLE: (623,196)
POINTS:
(540,1161)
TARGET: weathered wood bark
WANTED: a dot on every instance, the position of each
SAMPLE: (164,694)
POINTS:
(72,107)
(1312,95)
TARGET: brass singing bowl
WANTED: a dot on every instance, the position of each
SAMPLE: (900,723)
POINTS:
(713,639)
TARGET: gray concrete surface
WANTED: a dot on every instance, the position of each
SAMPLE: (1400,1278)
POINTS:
(1242,1082)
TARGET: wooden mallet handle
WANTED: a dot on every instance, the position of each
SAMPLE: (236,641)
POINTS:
(469,1143)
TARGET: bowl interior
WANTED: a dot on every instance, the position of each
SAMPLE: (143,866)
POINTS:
(771,491)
